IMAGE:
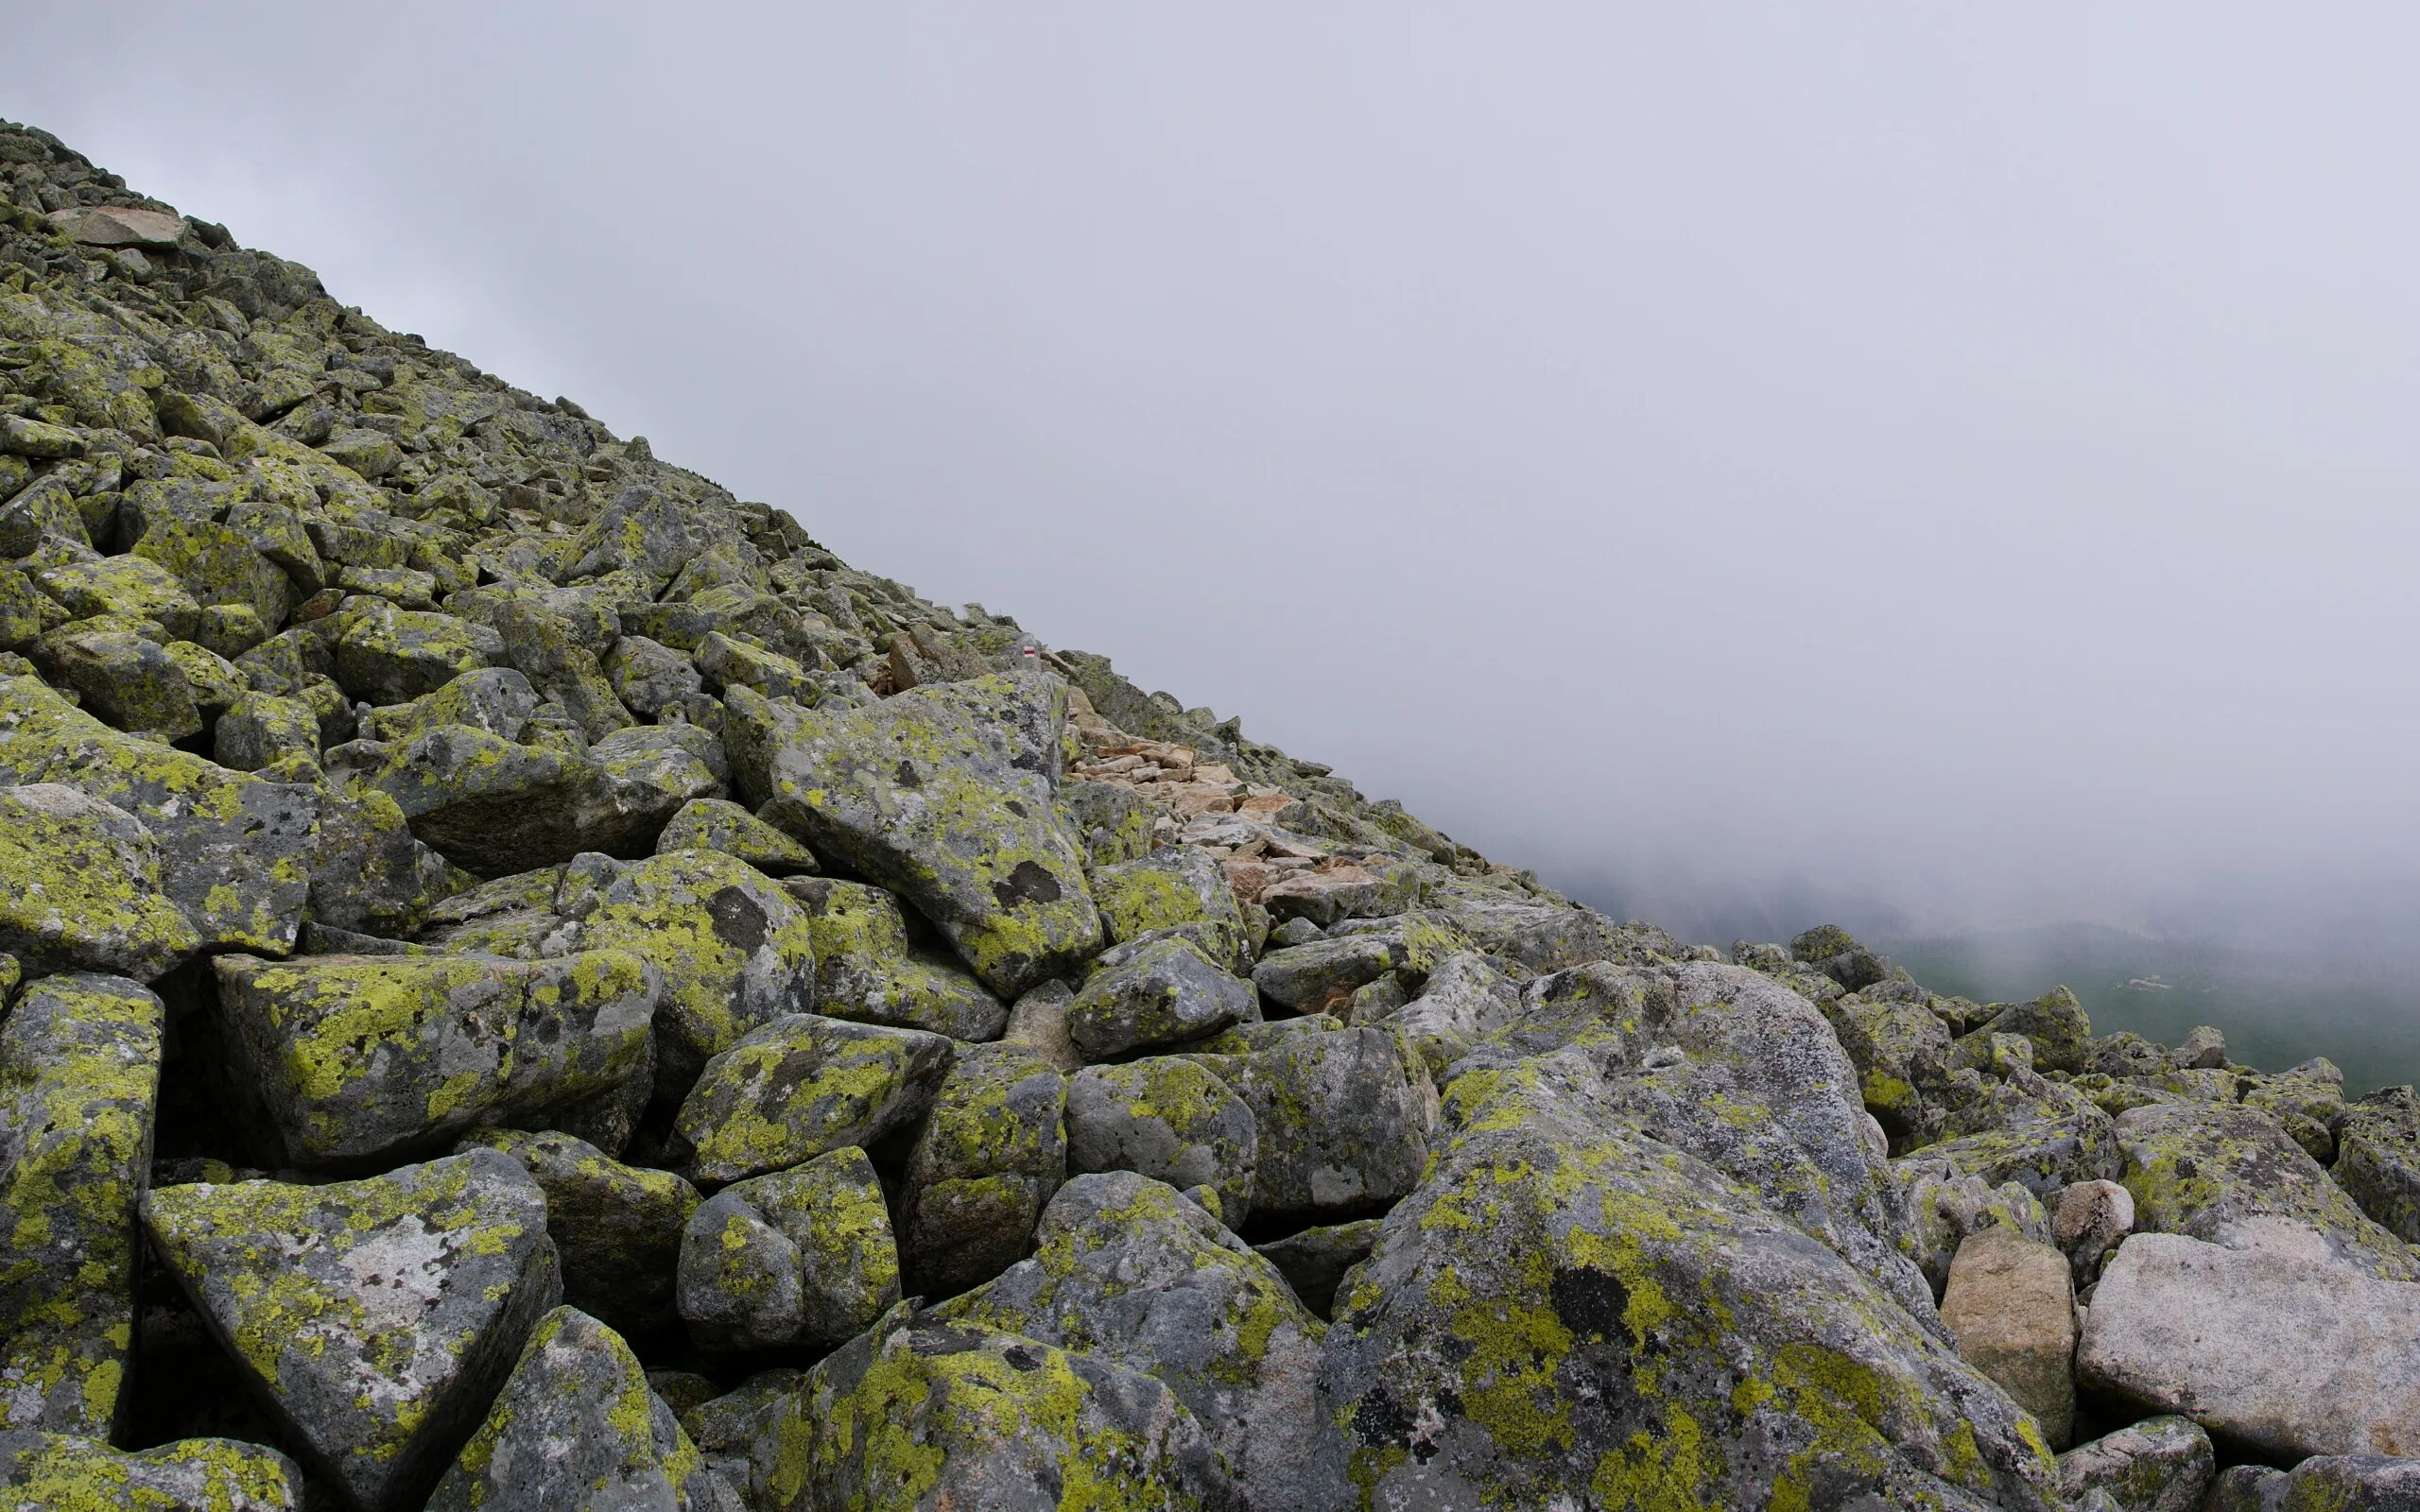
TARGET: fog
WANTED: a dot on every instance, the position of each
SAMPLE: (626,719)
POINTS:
(1948,466)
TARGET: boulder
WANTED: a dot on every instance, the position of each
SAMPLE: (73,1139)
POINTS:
(799,1259)
(868,968)
(496,806)
(64,1472)
(2378,1160)
(616,1227)
(576,1426)
(990,1155)
(119,226)
(375,1318)
(1465,997)
(1154,993)
(1341,1122)
(79,1078)
(84,890)
(1178,890)
(2158,1465)
(1316,1260)
(2012,1307)
(1835,952)
(943,795)
(1168,1118)
(390,655)
(127,679)
(2090,1220)
(2054,1023)
(719,824)
(803,1084)
(357,1060)
(2281,1345)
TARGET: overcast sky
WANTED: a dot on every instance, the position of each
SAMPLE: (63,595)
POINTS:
(1967,453)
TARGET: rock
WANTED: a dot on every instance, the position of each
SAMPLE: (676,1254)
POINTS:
(943,795)
(2091,1219)
(1464,998)
(1951,1206)
(375,1318)
(1343,1123)
(1180,890)
(649,677)
(2204,1049)
(62,1472)
(616,1227)
(2021,1127)
(2206,1170)
(1039,1022)
(262,729)
(1566,1304)
(2378,1160)
(2054,1022)
(1315,1261)
(2334,1482)
(2308,1102)
(919,1412)
(1311,977)
(390,655)
(799,1259)
(119,226)
(1154,993)
(1834,951)
(2158,1465)
(719,824)
(574,1426)
(2013,1310)
(359,1059)
(80,1076)
(126,679)
(368,869)
(867,967)
(1166,1118)
(802,1086)
(1127,1273)
(21,436)
(991,1153)
(84,890)
(1902,1055)
(2280,1345)
(545,648)
(2246,1488)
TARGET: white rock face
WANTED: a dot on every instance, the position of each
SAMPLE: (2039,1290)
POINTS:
(2273,1343)
(119,226)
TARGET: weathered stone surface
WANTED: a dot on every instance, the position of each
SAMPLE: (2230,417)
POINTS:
(801,1259)
(719,824)
(1181,890)
(1154,993)
(867,967)
(119,226)
(1568,1309)
(2012,1307)
(2329,1483)
(573,1427)
(800,1086)
(990,1155)
(2281,1345)
(1170,1119)
(929,1414)
(62,1472)
(2090,1220)
(80,1076)
(616,1227)
(360,1058)
(944,794)
(377,1318)
(83,890)
(2158,1465)
(1315,1261)
(1465,997)
(1342,1119)
(1129,1273)
(2378,1160)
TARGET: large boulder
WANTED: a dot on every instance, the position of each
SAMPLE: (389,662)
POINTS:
(79,1078)
(2280,1345)
(801,1259)
(65,1472)
(989,1156)
(800,1086)
(1568,1309)
(2158,1465)
(84,890)
(1157,992)
(1180,890)
(1168,1118)
(616,1227)
(943,795)
(1127,1272)
(1341,1122)
(375,1318)
(868,968)
(2012,1307)
(2378,1160)
(357,1059)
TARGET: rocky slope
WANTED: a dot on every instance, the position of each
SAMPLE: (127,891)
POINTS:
(531,983)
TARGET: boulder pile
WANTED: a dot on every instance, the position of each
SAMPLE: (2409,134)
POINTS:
(530,983)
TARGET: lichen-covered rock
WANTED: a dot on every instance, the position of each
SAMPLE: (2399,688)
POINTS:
(64,1472)
(1567,1308)
(574,1427)
(719,824)
(943,795)
(616,1227)
(82,889)
(1315,975)
(1951,1206)
(368,872)
(2091,1219)
(803,1084)
(990,1155)
(928,1414)
(801,1259)
(127,679)
(2308,1102)
(390,655)
(1342,1119)
(868,968)
(2012,1307)
(80,1077)
(2378,1160)
(375,1318)
(1465,997)
(361,1059)
(1127,1272)
(1315,1261)
(2324,1482)
(1154,993)
(1180,890)
(1834,951)
(2158,1465)
(2021,1127)
(1902,1055)
(1168,1118)
(2055,1023)
(2204,1170)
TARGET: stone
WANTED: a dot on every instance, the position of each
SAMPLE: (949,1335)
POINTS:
(574,1426)
(1154,993)
(2378,1160)
(803,1258)
(2158,1465)
(1180,890)
(616,1227)
(802,1086)
(374,1319)
(2091,1219)
(1341,1122)
(64,1472)
(988,1158)
(2281,1345)
(390,655)
(2204,1049)
(2056,1026)
(1316,1260)
(80,1077)
(1836,953)
(2338,1483)
(719,824)
(84,890)
(362,1059)
(1951,1206)
(1170,1119)
(943,795)
(868,966)
(119,226)
(2012,1307)
(22,435)
(649,677)
(125,677)
(1039,1022)
(1465,997)
(1129,1273)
